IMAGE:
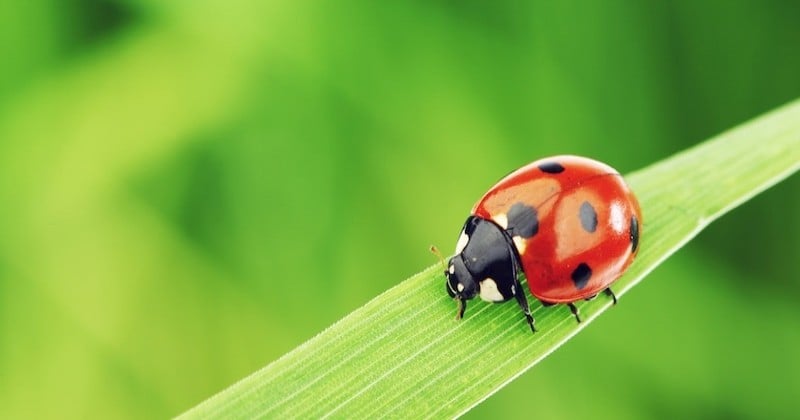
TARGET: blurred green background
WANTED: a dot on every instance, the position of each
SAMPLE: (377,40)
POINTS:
(189,190)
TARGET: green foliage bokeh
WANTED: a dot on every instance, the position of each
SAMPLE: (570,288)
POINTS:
(188,190)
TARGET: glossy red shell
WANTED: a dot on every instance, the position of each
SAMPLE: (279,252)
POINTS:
(551,257)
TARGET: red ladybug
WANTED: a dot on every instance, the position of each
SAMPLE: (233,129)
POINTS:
(570,223)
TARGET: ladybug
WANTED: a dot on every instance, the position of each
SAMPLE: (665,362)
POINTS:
(569,223)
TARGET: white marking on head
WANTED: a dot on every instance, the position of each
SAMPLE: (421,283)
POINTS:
(452,269)
(489,291)
(460,287)
(617,216)
(501,219)
(521,243)
(463,240)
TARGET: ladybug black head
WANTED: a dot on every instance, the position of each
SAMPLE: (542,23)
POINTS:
(484,264)
(460,283)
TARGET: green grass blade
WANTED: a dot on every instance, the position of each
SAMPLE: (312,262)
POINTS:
(402,354)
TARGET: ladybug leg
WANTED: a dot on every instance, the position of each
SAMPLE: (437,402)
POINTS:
(519,293)
(523,304)
(462,306)
(609,292)
(574,310)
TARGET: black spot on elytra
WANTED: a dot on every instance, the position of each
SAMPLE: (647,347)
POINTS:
(634,233)
(588,217)
(523,220)
(581,275)
(551,167)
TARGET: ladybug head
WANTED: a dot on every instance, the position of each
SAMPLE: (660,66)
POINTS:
(460,283)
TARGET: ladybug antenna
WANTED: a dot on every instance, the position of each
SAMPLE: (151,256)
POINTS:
(436,252)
